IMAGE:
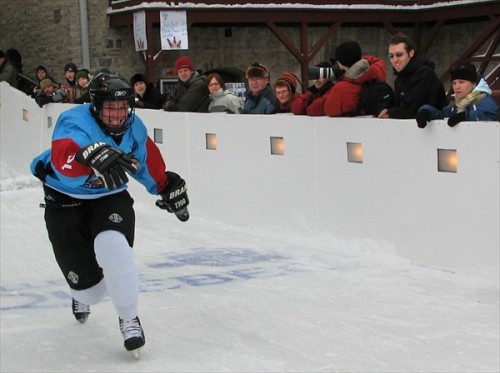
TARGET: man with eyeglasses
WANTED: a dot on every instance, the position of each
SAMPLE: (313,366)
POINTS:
(260,98)
(416,82)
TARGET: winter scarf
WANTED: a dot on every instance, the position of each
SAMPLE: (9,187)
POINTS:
(471,99)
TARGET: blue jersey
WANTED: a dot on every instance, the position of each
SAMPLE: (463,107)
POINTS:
(76,128)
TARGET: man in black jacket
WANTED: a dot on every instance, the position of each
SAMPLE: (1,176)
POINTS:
(416,82)
(191,92)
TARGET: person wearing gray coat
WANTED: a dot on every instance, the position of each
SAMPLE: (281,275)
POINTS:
(222,100)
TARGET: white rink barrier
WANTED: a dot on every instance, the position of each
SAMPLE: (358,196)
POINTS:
(394,195)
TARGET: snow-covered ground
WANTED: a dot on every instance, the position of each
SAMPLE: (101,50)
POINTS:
(221,298)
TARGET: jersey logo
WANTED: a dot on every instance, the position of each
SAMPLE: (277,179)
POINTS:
(115,218)
(73,277)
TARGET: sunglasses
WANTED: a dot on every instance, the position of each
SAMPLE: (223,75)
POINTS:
(397,54)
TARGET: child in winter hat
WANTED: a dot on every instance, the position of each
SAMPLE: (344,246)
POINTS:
(473,101)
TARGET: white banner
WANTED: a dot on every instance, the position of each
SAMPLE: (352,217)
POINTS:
(173,30)
(140,38)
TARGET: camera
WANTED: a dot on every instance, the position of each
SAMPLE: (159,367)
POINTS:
(333,72)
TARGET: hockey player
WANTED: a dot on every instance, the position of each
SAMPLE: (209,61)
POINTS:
(88,211)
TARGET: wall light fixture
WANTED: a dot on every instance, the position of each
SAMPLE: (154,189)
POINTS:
(158,136)
(447,160)
(277,146)
(354,152)
(211,141)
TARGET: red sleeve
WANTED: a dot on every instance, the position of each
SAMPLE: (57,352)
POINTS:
(156,164)
(63,158)
(299,105)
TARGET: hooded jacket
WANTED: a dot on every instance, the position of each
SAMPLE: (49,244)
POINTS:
(416,85)
(485,109)
(343,100)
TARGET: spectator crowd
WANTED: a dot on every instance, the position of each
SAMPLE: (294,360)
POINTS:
(350,84)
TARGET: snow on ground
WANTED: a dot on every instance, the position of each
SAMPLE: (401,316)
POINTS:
(221,298)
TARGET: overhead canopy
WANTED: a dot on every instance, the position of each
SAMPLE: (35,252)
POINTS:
(332,14)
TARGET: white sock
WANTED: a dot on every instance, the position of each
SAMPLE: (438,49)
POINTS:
(114,255)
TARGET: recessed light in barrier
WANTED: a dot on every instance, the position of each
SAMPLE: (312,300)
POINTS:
(158,135)
(211,141)
(277,146)
(447,160)
(26,115)
(354,152)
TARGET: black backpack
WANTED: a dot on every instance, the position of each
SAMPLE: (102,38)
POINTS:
(376,95)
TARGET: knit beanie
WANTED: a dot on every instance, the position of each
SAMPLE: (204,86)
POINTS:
(70,67)
(256,70)
(288,79)
(47,83)
(348,53)
(466,71)
(183,63)
(82,74)
(138,78)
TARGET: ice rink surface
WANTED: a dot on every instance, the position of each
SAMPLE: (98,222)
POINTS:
(221,298)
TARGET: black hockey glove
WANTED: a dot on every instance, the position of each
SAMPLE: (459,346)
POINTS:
(174,197)
(109,164)
(454,119)
(423,117)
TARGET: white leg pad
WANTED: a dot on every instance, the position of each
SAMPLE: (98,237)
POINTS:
(114,255)
(92,295)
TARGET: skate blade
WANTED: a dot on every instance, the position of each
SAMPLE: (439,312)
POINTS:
(136,353)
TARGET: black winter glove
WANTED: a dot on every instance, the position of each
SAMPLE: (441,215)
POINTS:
(170,106)
(109,164)
(454,119)
(423,117)
(174,197)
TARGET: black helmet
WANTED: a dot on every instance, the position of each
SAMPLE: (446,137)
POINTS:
(107,86)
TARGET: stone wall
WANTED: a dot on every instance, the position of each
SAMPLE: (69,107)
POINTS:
(49,32)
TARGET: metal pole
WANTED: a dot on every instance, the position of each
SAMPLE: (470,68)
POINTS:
(84,33)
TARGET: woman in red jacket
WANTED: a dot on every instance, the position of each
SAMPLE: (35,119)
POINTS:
(344,98)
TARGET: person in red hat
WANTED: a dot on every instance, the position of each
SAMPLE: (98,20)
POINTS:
(191,92)
(285,88)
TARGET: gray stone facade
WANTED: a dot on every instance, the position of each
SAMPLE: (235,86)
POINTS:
(49,32)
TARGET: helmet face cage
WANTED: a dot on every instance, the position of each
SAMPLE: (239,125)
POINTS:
(111,87)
